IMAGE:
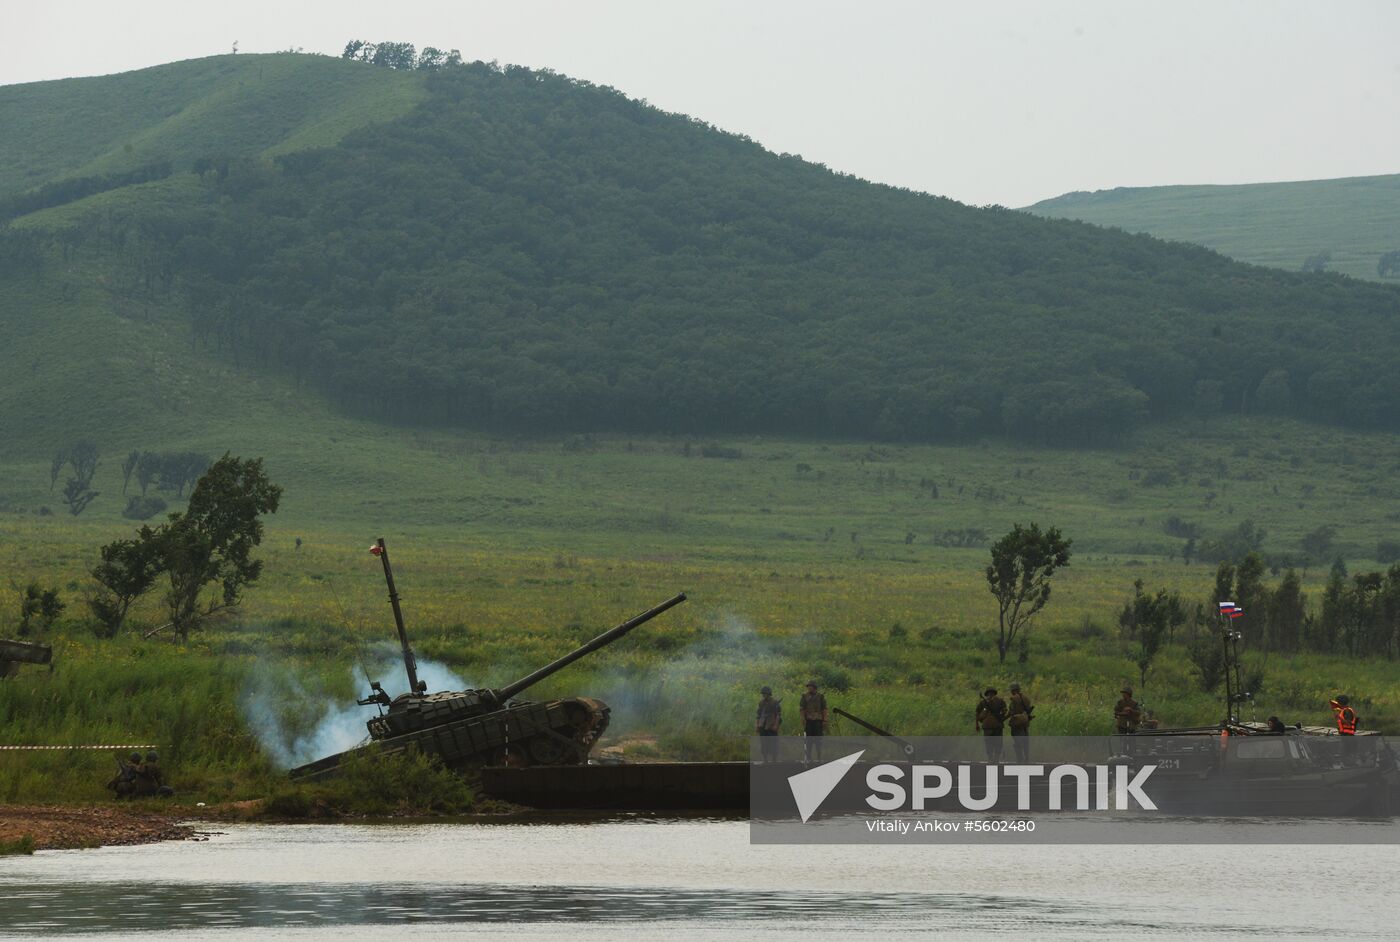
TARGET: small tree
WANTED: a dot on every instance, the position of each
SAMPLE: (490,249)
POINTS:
(1388,265)
(127,571)
(213,539)
(39,605)
(1022,565)
(147,470)
(1317,262)
(1317,544)
(1151,620)
(78,492)
(128,466)
(1209,660)
(60,458)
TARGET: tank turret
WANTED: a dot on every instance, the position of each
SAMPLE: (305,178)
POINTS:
(490,726)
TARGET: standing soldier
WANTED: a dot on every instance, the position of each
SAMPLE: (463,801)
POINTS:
(989,718)
(813,710)
(1126,712)
(768,722)
(1019,719)
(1346,716)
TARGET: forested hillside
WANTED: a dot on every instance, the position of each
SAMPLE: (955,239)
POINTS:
(1350,226)
(521,251)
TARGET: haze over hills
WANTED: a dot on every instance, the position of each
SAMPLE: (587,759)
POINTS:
(514,250)
(1352,221)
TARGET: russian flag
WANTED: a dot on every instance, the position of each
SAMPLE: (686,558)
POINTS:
(1227,606)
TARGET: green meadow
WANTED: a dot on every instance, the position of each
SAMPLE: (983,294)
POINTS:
(801,559)
(1274,224)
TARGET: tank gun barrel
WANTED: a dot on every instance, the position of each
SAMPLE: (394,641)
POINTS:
(604,639)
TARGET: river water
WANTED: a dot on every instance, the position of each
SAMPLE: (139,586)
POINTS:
(692,879)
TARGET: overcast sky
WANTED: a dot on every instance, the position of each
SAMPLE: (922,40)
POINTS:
(987,102)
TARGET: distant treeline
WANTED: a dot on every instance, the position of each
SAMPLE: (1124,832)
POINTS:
(525,252)
(75,188)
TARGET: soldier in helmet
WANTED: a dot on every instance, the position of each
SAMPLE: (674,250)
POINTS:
(149,780)
(1020,710)
(768,722)
(989,718)
(1126,712)
(812,707)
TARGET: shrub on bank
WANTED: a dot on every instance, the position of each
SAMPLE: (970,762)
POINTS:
(375,786)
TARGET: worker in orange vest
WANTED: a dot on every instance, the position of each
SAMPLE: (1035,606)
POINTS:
(1346,716)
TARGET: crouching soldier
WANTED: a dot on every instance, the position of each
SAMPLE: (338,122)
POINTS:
(150,781)
(124,783)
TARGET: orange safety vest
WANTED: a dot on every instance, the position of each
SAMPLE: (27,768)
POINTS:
(1346,720)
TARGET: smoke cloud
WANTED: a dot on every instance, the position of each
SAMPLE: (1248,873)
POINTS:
(294,725)
(695,686)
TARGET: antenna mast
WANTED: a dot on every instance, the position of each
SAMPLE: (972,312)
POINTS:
(410,664)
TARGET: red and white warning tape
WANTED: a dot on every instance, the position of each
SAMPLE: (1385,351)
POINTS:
(32,748)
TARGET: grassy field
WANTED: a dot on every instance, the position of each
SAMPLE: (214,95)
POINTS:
(1274,224)
(801,559)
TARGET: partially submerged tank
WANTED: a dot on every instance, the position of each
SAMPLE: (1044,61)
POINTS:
(468,729)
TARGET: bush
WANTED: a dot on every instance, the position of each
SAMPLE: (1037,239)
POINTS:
(968,537)
(1209,660)
(1184,529)
(1158,477)
(833,678)
(25,845)
(143,508)
(374,785)
(291,803)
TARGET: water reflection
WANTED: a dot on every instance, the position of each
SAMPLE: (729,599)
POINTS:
(130,907)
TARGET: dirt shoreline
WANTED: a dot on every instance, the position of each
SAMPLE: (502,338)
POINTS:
(55,827)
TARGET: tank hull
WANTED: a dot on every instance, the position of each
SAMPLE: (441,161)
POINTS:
(552,732)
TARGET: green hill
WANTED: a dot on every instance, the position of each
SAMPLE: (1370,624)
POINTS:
(233,106)
(513,250)
(1355,220)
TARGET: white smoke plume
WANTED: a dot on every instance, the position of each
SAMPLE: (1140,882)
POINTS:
(696,684)
(295,726)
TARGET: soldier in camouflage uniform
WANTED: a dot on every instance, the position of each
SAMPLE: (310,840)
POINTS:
(768,722)
(812,707)
(1019,710)
(1126,712)
(989,719)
